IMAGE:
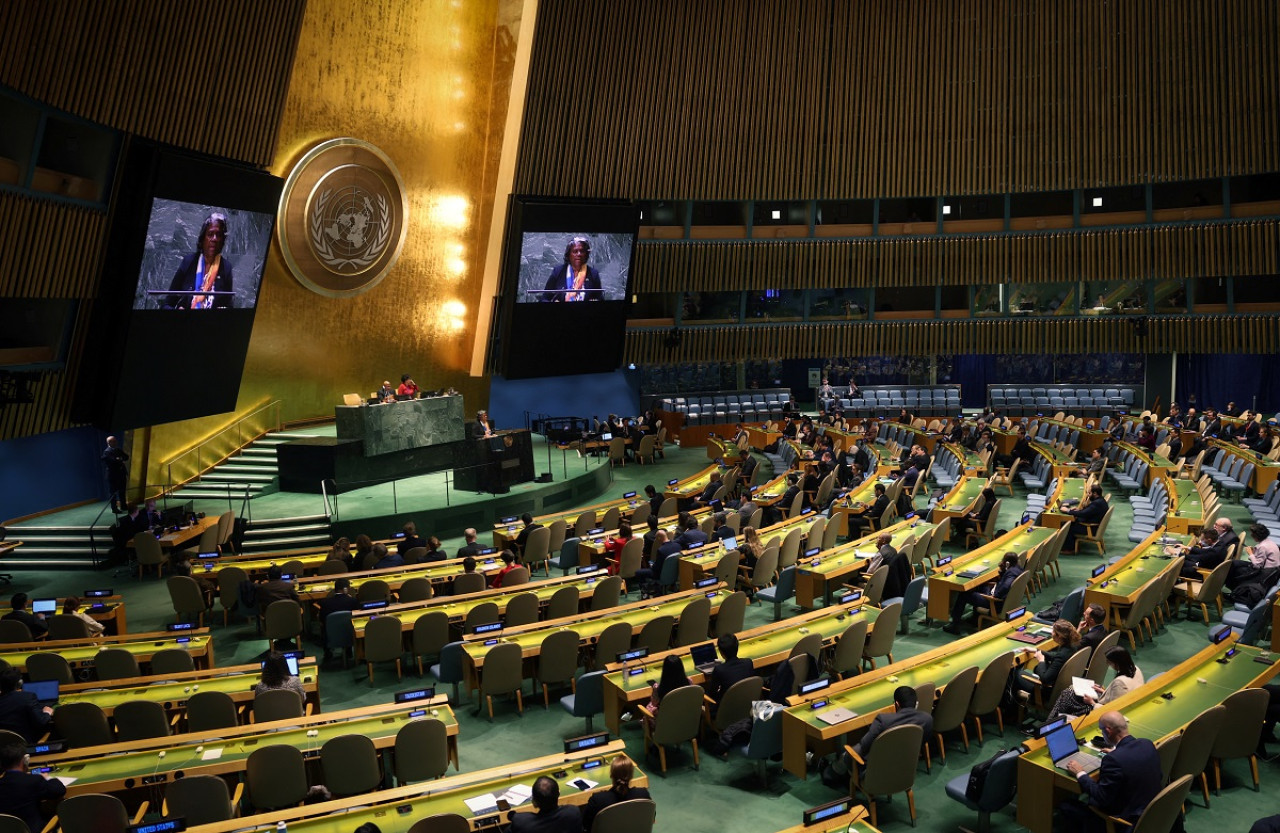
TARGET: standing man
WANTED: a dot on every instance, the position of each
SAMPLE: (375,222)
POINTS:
(1127,780)
(114,458)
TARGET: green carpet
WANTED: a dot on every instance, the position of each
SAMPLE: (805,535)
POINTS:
(721,795)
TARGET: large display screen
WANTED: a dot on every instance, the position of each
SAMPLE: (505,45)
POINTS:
(202,257)
(566,287)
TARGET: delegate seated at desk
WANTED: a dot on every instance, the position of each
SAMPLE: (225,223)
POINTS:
(905,712)
(19,711)
(621,771)
(1066,641)
(730,670)
(977,598)
(550,817)
(34,621)
(21,792)
(1127,780)
(1088,515)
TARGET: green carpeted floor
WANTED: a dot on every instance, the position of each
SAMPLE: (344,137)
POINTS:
(721,795)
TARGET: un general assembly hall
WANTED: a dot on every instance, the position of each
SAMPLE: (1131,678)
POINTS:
(613,416)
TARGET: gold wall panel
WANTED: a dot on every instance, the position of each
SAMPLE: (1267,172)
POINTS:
(426,83)
(833,99)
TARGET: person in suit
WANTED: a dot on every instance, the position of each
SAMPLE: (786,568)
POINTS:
(574,280)
(655,500)
(1226,534)
(19,711)
(974,520)
(21,791)
(549,817)
(662,550)
(1205,554)
(386,393)
(730,670)
(204,270)
(339,600)
(904,713)
(470,548)
(523,537)
(709,491)
(411,539)
(1127,780)
(434,553)
(115,460)
(1088,515)
(34,621)
(275,588)
(895,584)
(1066,641)
(1092,627)
(691,536)
(859,524)
(621,771)
(720,527)
(387,559)
(483,426)
(977,598)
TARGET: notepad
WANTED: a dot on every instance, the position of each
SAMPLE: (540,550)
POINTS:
(838,715)
(1082,686)
(66,780)
(211,754)
(517,795)
(482,804)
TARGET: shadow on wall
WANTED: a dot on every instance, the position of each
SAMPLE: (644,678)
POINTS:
(587,395)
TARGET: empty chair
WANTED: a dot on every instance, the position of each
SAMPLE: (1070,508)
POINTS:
(997,791)
(140,719)
(46,666)
(278,704)
(606,593)
(373,590)
(678,720)
(421,751)
(1241,731)
(276,777)
(890,767)
(732,611)
(537,549)
(172,661)
(587,699)
(568,558)
(880,643)
(115,664)
(430,635)
(283,620)
(695,621)
(612,641)
(187,598)
(502,674)
(229,581)
(988,691)
(350,765)
(339,634)
(149,553)
(522,609)
(952,708)
(564,602)
(384,642)
(209,710)
(558,661)
(441,823)
(201,799)
(655,636)
(417,589)
(485,613)
(1197,744)
(781,592)
(847,659)
(1097,670)
(449,668)
(95,813)
(82,724)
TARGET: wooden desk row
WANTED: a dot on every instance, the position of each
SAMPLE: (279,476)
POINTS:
(961,499)
(817,575)
(1265,470)
(980,566)
(1069,494)
(80,653)
(1118,586)
(699,562)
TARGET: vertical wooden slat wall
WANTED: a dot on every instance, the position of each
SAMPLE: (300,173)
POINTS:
(750,99)
(209,82)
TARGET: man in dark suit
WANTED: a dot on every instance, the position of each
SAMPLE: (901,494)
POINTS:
(19,711)
(1205,554)
(470,548)
(730,671)
(34,621)
(1127,780)
(550,817)
(859,524)
(1009,570)
(275,588)
(720,527)
(523,537)
(21,792)
(115,460)
(904,713)
(691,536)
(204,269)
(411,539)
(1088,515)
(663,549)
(1093,627)
(713,486)
(1226,534)
(655,499)
(336,602)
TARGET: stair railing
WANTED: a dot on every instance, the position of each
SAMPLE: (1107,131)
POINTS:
(243,436)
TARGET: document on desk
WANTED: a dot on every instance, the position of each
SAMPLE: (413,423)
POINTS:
(1083,687)
(482,804)
(517,795)
(833,716)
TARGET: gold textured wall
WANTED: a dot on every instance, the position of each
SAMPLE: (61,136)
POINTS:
(427,83)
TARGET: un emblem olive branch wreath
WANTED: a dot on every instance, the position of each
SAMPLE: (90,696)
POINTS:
(325,253)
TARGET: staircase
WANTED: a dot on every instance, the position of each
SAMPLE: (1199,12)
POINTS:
(56,546)
(252,470)
(287,533)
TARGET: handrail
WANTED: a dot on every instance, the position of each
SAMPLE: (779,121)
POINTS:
(240,441)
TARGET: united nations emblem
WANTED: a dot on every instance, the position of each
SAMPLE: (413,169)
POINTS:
(342,218)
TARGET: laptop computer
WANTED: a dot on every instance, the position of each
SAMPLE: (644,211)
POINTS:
(704,656)
(46,691)
(1064,748)
(45,606)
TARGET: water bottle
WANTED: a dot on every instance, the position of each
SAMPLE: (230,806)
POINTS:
(281,827)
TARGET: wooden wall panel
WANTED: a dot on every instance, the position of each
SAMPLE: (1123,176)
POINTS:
(743,99)
(210,79)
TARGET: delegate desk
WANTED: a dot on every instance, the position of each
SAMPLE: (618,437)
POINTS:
(588,626)
(961,500)
(1068,494)
(1118,586)
(692,486)
(440,573)
(172,539)
(760,439)
(507,530)
(1157,466)
(1186,507)
(591,549)
(722,451)
(106,610)
(172,690)
(457,607)
(1265,470)
(1041,787)
(256,566)
(771,492)
(698,562)
(817,574)
(627,685)
(853,821)
(142,764)
(978,567)
(856,501)
(397,810)
(1061,463)
(871,692)
(970,461)
(1088,438)
(80,653)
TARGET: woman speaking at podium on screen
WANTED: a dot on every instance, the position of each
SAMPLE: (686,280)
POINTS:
(204,271)
(574,280)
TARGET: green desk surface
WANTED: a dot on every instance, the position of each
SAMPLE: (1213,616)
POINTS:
(1053,455)
(770,492)
(1247,453)
(1021,539)
(1142,454)
(1068,488)
(435,572)
(253,566)
(1132,572)
(570,516)
(396,810)
(963,494)
(589,626)
(173,695)
(139,645)
(774,641)
(876,694)
(968,459)
(458,608)
(1186,499)
(859,498)
(1152,716)
(855,554)
(693,485)
(105,768)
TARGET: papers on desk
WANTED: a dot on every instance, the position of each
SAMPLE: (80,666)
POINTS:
(211,754)
(583,784)
(838,715)
(66,780)
(1083,687)
(518,795)
(482,804)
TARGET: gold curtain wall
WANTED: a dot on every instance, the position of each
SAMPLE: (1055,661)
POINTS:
(1222,249)
(1209,334)
(835,99)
